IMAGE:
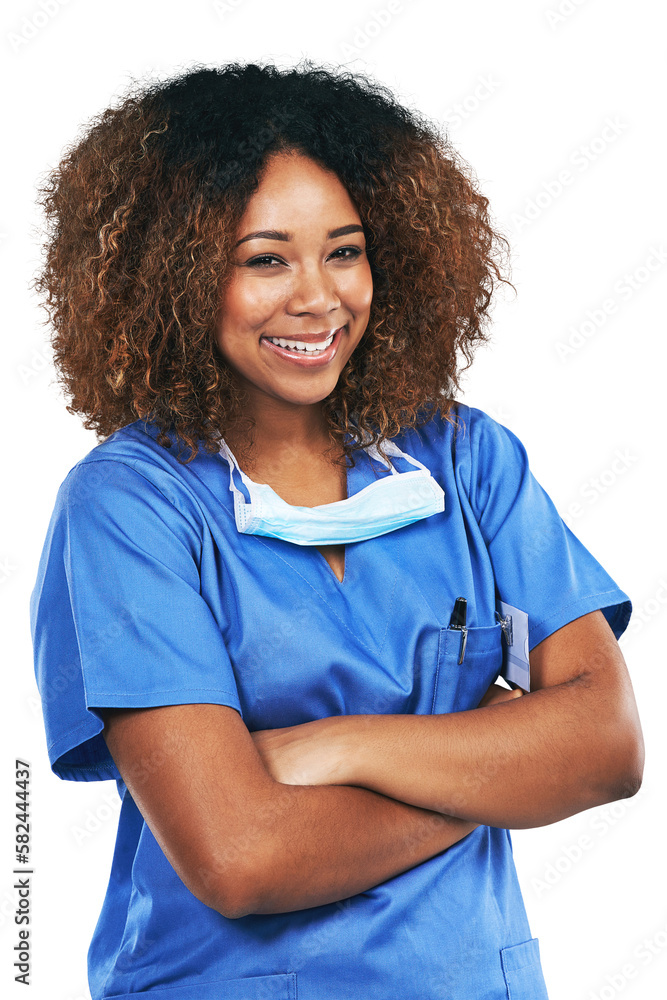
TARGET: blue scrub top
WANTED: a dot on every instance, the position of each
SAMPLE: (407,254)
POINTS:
(147,595)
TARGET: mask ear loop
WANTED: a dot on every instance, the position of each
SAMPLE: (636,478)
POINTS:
(374,453)
(241,513)
(394,450)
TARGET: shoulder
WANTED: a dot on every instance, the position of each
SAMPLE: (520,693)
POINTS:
(467,433)
(473,453)
(130,469)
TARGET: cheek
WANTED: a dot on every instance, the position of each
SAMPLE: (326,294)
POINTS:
(359,292)
(247,305)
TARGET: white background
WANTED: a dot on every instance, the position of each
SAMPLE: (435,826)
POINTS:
(525,92)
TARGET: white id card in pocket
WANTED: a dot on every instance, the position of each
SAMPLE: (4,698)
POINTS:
(516,664)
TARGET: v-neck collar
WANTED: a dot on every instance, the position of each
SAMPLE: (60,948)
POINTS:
(358,477)
(213,471)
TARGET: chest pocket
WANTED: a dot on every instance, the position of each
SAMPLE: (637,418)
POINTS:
(460,686)
(522,969)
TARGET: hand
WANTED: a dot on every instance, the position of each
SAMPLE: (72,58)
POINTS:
(497,694)
(308,754)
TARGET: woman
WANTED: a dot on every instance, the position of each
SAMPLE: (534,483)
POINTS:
(284,645)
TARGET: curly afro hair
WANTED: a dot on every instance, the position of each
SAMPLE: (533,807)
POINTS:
(142,214)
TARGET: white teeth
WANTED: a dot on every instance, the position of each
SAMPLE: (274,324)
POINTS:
(299,345)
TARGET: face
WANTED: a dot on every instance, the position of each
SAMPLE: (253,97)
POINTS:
(299,298)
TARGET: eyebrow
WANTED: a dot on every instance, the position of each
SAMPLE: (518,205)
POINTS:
(276,234)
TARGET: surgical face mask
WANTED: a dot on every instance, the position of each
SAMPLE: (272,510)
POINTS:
(385,505)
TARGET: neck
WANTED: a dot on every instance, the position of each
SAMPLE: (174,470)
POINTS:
(282,430)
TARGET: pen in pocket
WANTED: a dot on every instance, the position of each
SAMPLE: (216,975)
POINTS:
(458,621)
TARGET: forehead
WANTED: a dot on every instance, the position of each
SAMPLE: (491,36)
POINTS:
(293,187)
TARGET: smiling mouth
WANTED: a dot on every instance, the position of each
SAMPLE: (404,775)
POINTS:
(303,353)
(302,346)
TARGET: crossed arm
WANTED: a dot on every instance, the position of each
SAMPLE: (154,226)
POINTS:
(285,819)
(573,743)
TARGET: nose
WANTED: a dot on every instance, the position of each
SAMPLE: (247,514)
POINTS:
(313,291)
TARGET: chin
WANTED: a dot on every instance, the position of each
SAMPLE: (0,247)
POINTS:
(305,395)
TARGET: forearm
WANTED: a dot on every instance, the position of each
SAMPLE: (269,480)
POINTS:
(320,844)
(523,763)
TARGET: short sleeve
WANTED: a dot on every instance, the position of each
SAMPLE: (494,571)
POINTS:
(539,565)
(117,615)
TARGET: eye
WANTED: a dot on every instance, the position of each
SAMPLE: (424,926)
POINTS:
(261,261)
(265,260)
(355,251)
